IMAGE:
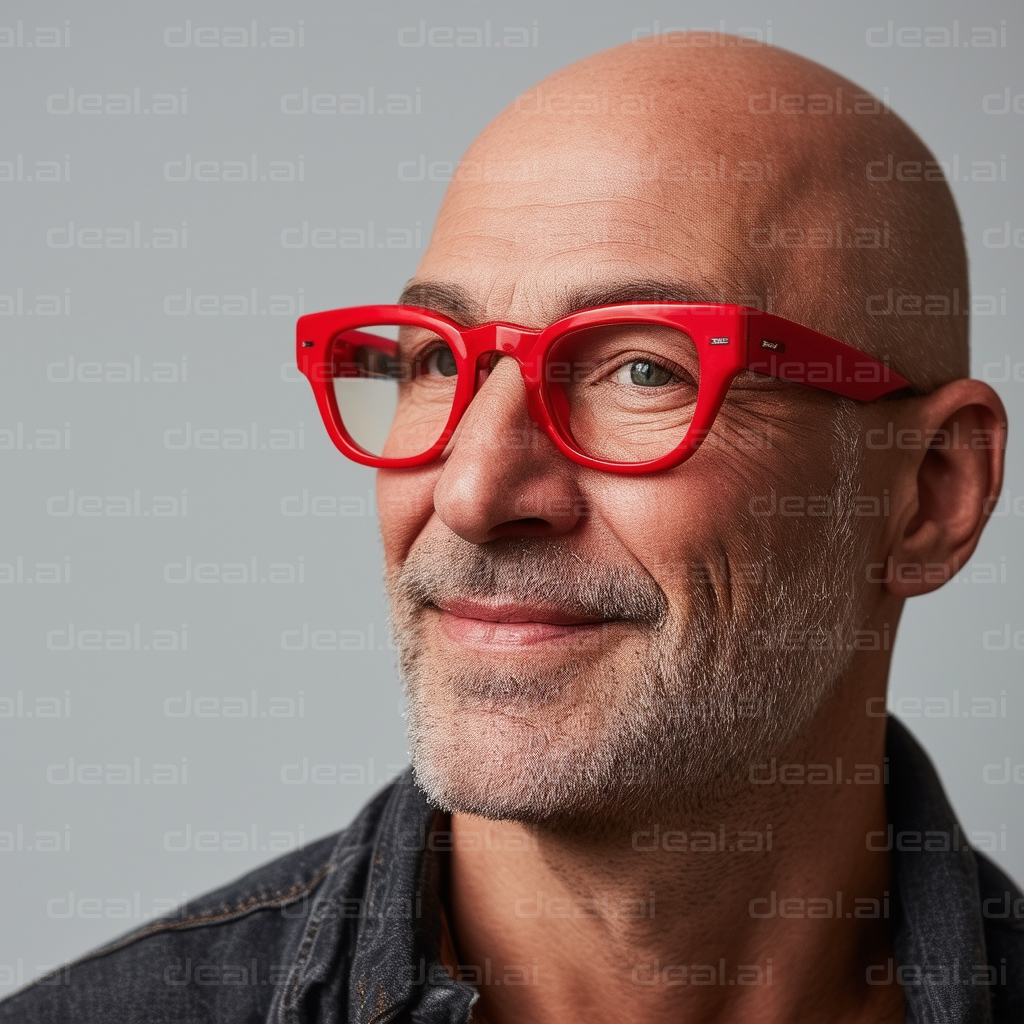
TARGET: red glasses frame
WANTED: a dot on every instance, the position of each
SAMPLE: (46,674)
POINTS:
(729,339)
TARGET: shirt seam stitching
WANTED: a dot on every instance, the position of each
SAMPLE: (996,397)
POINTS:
(250,906)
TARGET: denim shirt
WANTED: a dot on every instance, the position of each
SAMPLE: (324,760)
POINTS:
(348,929)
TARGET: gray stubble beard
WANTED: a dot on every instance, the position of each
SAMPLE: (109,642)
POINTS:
(710,697)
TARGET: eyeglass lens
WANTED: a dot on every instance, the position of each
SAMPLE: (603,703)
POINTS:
(622,393)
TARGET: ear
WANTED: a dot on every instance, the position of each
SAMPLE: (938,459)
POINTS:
(955,439)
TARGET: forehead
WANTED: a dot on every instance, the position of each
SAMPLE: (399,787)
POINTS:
(529,224)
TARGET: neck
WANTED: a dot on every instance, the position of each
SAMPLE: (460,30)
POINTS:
(766,906)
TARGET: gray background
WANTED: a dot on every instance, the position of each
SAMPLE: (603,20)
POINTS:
(202,796)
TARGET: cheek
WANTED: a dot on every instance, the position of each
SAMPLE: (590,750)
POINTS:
(678,522)
(405,501)
(711,525)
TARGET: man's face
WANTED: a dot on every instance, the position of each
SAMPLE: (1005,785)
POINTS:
(575,643)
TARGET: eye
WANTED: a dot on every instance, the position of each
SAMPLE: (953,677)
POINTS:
(644,373)
(441,362)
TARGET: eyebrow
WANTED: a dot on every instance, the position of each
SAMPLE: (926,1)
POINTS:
(441,297)
(456,302)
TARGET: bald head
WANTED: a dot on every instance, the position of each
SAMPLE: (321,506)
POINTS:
(734,173)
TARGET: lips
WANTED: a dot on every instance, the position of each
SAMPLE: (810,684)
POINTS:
(507,611)
(510,624)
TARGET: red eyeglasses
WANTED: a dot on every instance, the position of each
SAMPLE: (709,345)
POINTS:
(626,388)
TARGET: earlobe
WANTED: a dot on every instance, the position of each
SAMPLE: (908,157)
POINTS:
(956,437)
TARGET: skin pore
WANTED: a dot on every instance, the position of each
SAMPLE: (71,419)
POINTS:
(611,900)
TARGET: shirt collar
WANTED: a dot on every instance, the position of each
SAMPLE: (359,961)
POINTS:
(396,961)
(938,933)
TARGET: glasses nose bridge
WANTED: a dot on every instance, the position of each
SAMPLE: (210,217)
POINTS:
(503,339)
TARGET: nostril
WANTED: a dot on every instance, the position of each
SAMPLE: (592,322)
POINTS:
(531,527)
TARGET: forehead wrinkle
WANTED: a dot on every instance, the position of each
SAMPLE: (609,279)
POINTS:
(456,301)
(619,264)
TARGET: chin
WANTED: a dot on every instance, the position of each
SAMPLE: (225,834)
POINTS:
(549,765)
(526,760)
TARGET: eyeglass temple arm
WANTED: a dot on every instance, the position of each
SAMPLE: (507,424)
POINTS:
(789,351)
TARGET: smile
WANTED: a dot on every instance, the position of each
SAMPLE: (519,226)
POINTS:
(512,624)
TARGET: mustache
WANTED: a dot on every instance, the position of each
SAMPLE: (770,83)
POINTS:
(526,569)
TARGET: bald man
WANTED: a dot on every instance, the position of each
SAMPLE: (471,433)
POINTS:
(671,420)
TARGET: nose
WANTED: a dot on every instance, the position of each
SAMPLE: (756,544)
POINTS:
(502,475)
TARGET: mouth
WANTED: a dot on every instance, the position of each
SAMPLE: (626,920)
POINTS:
(486,624)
